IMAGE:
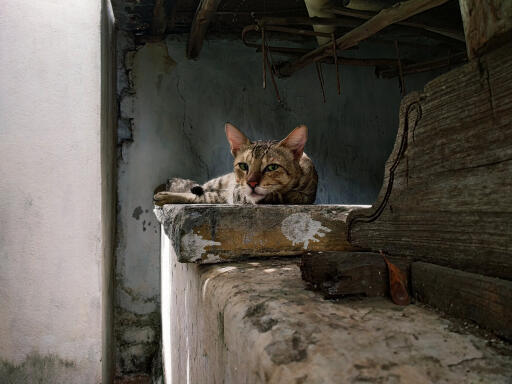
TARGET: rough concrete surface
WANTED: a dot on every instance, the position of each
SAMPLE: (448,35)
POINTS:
(254,322)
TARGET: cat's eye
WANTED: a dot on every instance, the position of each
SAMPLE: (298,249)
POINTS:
(271,167)
(243,166)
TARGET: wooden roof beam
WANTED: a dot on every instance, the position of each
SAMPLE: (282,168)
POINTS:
(383,19)
(204,14)
(427,25)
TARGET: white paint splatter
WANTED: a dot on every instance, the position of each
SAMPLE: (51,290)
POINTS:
(194,245)
(301,228)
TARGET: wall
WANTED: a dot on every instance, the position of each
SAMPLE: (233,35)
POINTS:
(53,191)
(172,124)
(108,182)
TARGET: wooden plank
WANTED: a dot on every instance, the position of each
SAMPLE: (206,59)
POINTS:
(204,14)
(447,185)
(384,18)
(484,300)
(216,233)
(338,274)
(486,23)
(427,25)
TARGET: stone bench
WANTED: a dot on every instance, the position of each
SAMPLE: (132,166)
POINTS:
(254,321)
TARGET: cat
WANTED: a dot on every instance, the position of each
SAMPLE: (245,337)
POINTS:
(265,172)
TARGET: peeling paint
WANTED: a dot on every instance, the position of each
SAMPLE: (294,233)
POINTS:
(301,228)
(196,246)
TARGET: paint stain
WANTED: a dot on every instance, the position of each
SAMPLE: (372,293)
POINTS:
(137,212)
(301,228)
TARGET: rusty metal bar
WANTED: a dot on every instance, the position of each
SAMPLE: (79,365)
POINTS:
(400,70)
(263,56)
(320,78)
(335,56)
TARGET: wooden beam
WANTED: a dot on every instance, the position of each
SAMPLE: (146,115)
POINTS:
(204,14)
(384,18)
(159,22)
(215,233)
(470,296)
(295,20)
(419,24)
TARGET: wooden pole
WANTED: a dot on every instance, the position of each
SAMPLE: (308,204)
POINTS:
(204,14)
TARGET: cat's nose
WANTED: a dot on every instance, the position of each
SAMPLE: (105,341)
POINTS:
(252,184)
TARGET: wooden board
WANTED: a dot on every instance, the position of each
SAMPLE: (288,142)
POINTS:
(482,299)
(215,233)
(447,193)
(338,274)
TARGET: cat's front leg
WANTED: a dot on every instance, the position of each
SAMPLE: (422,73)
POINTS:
(162,198)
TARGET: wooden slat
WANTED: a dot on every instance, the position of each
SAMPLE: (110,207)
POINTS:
(215,233)
(446,197)
(384,18)
(470,296)
(204,14)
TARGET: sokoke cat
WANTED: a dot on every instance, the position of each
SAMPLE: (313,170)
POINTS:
(265,172)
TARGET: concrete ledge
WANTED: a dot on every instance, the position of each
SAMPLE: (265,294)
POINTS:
(213,233)
(253,322)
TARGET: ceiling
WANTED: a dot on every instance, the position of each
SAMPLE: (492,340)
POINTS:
(231,16)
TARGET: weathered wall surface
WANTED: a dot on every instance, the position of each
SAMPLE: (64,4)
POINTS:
(172,124)
(52,189)
(254,322)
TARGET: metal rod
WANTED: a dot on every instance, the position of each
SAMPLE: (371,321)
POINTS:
(400,69)
(320,77)
(335,55)
(271,66)
(263,56)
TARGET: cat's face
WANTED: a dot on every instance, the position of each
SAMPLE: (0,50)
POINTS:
(262,168)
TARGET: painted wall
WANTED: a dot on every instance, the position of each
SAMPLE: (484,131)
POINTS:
(54,192)
(172,124)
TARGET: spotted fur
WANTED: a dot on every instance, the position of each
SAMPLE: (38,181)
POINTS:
(264,172)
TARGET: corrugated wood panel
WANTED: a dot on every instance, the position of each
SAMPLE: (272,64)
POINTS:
(450,197)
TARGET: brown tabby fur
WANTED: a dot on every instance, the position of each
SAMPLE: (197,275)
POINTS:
(293,181)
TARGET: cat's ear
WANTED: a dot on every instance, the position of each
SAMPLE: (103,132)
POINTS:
(296,141)
(236,138)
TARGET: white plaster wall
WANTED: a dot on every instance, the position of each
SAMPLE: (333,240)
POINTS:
(50,187)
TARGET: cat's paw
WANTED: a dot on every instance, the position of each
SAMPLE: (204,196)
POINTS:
(162,198)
